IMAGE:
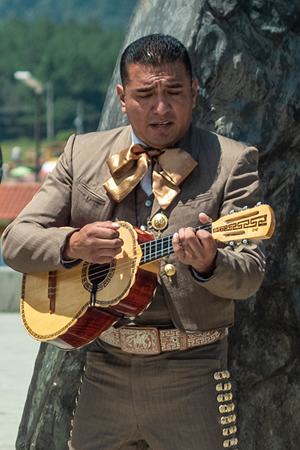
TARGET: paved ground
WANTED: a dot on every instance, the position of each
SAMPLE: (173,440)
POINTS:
(17,357)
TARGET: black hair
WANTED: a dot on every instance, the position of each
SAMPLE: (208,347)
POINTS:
(154,49)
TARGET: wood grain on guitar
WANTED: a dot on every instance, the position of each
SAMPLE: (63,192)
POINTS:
(71,307)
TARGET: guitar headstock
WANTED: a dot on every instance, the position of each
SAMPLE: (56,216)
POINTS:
(253,224)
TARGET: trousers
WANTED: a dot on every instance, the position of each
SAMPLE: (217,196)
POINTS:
(161,402)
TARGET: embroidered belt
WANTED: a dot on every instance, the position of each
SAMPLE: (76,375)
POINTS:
(152,341)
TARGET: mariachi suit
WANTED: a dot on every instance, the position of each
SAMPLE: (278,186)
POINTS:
(73,195)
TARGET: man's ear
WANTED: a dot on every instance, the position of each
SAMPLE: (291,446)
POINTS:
(121,95)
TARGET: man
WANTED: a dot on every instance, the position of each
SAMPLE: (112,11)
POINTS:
(176,397)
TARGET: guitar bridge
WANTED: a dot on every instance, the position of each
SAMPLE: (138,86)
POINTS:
(93,295)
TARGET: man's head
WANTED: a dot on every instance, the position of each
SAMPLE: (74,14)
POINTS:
(154,50)
(158,93)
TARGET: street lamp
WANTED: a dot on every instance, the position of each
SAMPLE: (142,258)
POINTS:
(27,78)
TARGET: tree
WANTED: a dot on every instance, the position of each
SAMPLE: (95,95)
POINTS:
(77,58)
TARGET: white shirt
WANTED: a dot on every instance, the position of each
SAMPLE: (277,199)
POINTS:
(146,181)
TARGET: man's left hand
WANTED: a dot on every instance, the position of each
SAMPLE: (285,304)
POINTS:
(196,248)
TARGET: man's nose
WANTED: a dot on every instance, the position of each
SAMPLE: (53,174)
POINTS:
(162,105)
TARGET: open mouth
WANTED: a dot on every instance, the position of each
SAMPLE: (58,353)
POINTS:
(161,126)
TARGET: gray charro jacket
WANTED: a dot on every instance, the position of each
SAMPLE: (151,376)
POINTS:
(73,195)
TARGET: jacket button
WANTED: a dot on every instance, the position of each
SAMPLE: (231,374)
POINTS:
(170,270)
(159,222)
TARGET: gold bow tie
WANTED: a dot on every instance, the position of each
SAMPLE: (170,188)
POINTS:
(171,167)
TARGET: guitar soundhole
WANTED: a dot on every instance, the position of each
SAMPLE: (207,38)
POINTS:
(98,272)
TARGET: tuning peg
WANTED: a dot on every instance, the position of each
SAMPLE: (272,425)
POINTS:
(239,247)
(236,246)
(251,245)
(231,212)
(258,203)
(244,208)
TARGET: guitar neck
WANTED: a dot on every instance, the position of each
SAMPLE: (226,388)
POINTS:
(248,224)
(161,247)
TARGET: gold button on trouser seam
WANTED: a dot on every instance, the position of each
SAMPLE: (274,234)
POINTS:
(224,397)
(229,431)
(223,387)
(228,419)
(221,375)
(230,443)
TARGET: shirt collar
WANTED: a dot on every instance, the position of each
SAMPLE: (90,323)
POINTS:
(136,140)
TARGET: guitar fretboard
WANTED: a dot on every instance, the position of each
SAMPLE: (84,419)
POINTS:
(161,247)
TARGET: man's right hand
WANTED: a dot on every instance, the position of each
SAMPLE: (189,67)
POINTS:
(96,243)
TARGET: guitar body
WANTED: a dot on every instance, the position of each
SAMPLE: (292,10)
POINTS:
(71,307)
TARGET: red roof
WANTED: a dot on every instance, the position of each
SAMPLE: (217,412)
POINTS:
(14,197)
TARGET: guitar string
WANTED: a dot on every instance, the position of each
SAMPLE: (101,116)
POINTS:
(158,252)
(77,274)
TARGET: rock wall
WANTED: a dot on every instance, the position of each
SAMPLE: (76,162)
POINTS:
(246,56)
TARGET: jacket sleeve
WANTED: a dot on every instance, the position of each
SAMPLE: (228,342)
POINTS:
(34,242)
(239,275)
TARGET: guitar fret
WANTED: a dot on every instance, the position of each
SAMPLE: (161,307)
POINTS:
(146,248)
(158,248)
(153,250)
(168,248)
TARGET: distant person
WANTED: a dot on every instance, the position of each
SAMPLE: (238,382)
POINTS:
(160,381)
(16,155)
(5,170)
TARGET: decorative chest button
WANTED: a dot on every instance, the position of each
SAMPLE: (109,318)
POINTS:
(159,222)
(148,203)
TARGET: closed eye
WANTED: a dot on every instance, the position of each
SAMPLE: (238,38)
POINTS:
(146,95)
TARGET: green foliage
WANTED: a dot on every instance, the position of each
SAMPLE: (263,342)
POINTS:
(63,135)
(109,14)
(77,58)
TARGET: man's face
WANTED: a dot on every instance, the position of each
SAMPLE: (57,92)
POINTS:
(158,101)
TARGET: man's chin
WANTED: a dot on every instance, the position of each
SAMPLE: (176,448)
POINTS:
(161,144)
(161,141)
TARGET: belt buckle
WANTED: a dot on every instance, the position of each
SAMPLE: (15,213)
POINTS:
(140,341)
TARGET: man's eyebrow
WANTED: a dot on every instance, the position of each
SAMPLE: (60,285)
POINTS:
(175,85)
(145,89)
(171,85)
